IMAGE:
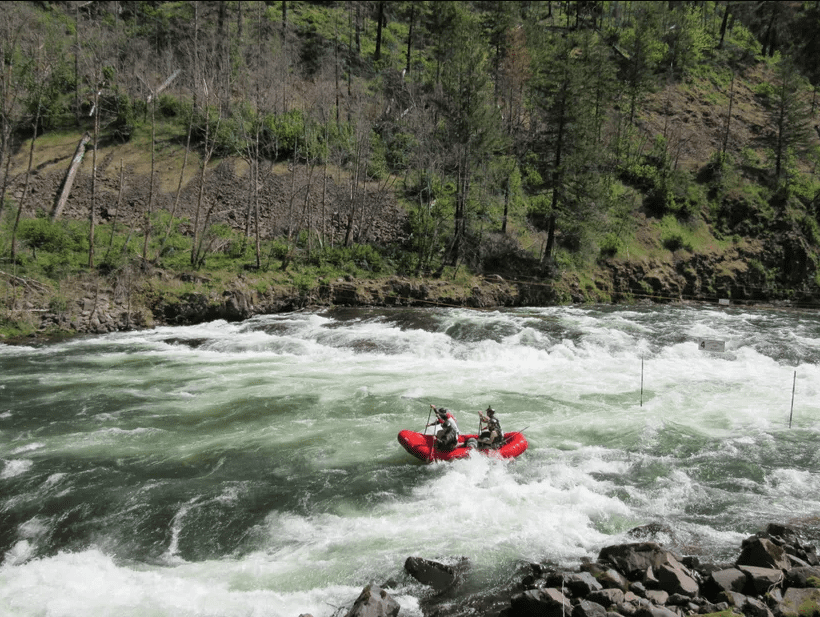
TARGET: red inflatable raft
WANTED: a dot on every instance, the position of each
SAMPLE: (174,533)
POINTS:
(422,447)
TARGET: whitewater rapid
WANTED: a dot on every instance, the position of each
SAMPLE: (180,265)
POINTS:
(252,468)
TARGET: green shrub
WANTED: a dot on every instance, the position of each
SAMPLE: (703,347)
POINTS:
(673,236)
(42,234)
(610,245)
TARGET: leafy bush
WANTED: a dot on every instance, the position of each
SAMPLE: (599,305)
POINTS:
(673,236)
(224,134)
(169,106)
(358,256)
(286,135)
(42,234)
(610,245)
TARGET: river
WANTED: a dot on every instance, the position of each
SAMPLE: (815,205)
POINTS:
(236,469)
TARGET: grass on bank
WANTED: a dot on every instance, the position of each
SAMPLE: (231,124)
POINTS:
(52,257)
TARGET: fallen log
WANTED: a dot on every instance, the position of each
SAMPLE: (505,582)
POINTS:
(68,181)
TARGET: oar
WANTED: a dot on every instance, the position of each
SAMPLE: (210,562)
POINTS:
(429,413)
(413,398)
(514,432)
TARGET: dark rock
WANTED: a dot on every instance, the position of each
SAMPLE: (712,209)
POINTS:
(652,530)
(763,553)
(587,608)
(540,603)
(437,575)
(756,608)
(607,597)
(633,560)
(803,577)
(374,602)
(733,598)
(761,579)
(794,560)
(579,584)
(608,577)
(786,534)
(673,578)
(731,579)
(678,599)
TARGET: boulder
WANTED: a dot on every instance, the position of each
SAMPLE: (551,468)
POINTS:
(761,579)
(673,578)
(731,579)
(803,577)
(579,584)
(657,596)
(587,608)
(539,603)
(633,560)
(800,603)
(608,577)
(756,608)
(606,597)
(374,602)
(655,611)
(437,575)
(762,553)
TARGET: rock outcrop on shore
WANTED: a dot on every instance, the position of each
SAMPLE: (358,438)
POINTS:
(777,574)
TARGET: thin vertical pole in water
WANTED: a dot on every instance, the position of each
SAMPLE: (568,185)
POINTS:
(641,381)
(794,384)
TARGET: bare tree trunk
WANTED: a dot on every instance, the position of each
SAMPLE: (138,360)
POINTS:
(324,201)
(179,187)
(729,115)
(354,183)
(92,215)
(149,208)
(209,148)
(116,213)
(292,191)
(256,210)
(410,36)
(28,179)
(380,18)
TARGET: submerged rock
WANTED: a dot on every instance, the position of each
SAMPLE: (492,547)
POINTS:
(439,576)
(374,602)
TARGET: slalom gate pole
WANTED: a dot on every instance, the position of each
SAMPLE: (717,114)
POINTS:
(791,413)
(642,382)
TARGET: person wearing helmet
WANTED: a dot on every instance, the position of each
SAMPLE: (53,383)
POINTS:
(447,436)
(491,435)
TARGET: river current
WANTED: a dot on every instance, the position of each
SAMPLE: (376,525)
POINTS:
(238,469)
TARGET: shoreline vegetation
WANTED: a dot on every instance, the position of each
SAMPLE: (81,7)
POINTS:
(155,297)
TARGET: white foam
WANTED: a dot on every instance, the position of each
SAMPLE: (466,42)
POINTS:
(91,584)
(15,467)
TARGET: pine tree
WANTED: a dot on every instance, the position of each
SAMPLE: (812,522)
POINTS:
(566,95)
(472,123)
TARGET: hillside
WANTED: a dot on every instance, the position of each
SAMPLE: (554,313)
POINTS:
(697,185)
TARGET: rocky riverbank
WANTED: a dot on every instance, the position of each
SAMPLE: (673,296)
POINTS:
(776,574)
(145,296)
(97,305)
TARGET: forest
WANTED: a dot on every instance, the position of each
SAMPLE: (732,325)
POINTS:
(611,151)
